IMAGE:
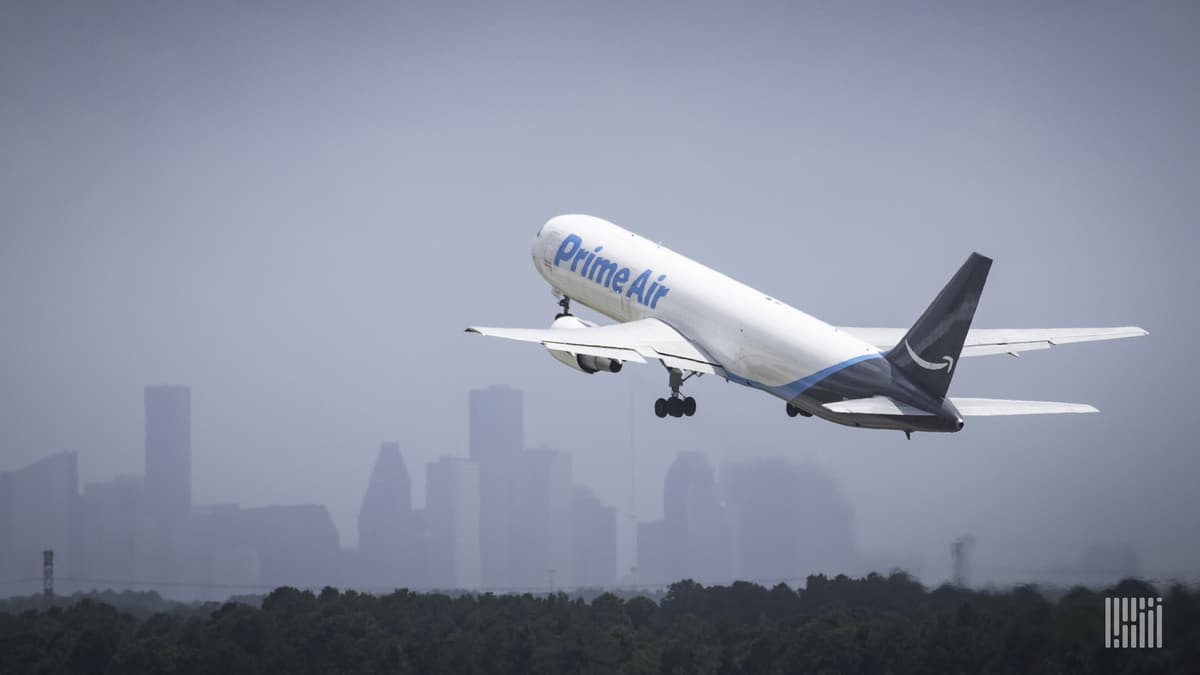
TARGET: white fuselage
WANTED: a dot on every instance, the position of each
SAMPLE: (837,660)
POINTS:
(760,341)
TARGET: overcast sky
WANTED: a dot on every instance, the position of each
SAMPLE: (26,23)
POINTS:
(295,209)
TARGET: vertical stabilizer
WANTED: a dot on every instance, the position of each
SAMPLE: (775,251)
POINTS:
(928,354)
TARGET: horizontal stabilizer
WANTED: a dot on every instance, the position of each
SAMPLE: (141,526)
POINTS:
(875,405)
(987,341)
(982,407)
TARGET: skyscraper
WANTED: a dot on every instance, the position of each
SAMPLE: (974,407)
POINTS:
(452,517)
(692,521)
(541,539)
(595,541)
(39,505)
(169,453)
(386,541)
(791,519)
(497,419)
(497,438)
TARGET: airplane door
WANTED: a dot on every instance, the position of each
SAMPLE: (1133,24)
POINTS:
(550,243)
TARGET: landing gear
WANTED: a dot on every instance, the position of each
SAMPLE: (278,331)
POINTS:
(908,434)
(792,411)
(677,405)
(565,303)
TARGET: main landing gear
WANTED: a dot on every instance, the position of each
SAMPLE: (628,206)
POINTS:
(677,405)
(792,411)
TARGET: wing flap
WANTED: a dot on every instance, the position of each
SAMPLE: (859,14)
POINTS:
(986,407)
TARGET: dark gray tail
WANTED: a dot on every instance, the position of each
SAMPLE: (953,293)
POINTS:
(928,354)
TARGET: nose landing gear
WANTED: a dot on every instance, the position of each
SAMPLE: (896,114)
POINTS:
(677,405)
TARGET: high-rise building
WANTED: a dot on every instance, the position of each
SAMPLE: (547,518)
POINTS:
(497,423)
(541,540)
(168,481)
(39,507)
(113,523)
(791,520)
(165,550)
(497,439)
(297,545)
(452,514)
(387,546)
(651,555)
(692,521)
(595,541)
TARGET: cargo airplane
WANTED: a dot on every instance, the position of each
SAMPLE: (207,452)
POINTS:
(697,321)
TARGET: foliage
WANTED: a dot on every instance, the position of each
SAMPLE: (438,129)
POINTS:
(876,624)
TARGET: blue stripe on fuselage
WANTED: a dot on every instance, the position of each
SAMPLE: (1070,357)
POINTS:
(793,389)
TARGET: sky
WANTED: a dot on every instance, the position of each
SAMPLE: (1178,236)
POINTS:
(296,208)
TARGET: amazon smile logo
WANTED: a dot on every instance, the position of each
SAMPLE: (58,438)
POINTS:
(947,361)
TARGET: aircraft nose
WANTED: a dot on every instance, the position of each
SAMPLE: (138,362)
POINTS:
(959,423)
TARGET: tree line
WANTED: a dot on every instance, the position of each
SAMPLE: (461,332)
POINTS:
(876,624)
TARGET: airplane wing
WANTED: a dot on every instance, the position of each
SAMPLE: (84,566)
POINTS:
(983,407)
(967,407)
(633,341)
(1011,341)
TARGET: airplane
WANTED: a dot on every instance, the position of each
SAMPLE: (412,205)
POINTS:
(696,321)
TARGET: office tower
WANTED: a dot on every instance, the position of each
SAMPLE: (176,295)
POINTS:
(297,545)
(497,423)
(791,519)
(651,555)
(692,521)
(497,438)
(541,536)
(112,518)
(39,510)
(386,541)
(168,480)
(595,541)
(452,516)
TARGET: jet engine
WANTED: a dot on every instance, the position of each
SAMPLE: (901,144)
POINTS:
(582,362)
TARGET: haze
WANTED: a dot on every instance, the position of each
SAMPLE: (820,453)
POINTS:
(294,209)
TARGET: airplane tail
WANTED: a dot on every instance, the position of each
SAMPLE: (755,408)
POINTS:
(930,350)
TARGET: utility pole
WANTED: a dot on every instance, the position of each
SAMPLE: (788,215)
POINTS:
(48,573)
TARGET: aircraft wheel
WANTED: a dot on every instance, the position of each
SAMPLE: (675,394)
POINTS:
(792,410)
(660,408)
(674,407)
(689,406)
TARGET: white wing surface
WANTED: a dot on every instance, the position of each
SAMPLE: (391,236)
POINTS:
(987,341)
(967,407)
(875,405)
(634,341)
(985,407)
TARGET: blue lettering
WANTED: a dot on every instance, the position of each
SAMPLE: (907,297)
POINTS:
(564,253)
(608,273)
(662,290)
(638,287)
(579,255)
(619,279)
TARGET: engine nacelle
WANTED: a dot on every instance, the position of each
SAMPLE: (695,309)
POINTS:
(585,363)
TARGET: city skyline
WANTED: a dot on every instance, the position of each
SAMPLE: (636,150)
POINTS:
(760,520)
